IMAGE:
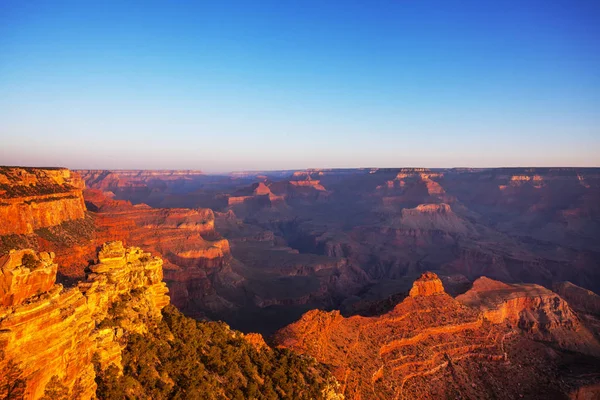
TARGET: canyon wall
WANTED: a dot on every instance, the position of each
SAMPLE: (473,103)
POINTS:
(104,179)
(538,312)
(193,252)
(32,198)
(50,334)
(433,346)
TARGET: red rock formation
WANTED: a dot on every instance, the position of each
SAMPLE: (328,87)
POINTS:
(537,311)
(427,285)
(57,331)
(257,195)
(32,198)
(428,346)
(23,273)
(312,183)
(193,251)
(428,217)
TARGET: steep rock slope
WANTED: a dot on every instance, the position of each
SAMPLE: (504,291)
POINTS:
(537,311)
(196,256)
(32,198)
(428,346)
(24,274)
(115,336)
(54,334)
(579,298)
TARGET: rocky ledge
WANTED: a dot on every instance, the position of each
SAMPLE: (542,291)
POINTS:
(32,198)
(434,346)
(51,333)
(428,284)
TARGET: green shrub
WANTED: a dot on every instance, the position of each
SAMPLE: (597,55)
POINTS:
(29,261)
(208,360)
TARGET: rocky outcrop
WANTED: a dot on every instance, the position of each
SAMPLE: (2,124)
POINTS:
(23,273)
(192,250)
(427,285)
(535,310)
(56,333)
(257,195)
(431,346)
(398,354)
(440,217)
(312,183)
(33,198)
(579,298)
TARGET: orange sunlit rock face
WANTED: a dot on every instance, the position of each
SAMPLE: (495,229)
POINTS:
(23,273)
(431,346)
(186,239)
(32,198)
(427,285)
(57,331)
(537,311)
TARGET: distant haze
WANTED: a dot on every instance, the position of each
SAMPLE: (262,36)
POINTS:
(222,86)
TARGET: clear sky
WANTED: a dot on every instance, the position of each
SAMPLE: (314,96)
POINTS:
(219,85)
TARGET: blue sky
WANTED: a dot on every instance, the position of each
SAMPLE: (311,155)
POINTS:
(223,86)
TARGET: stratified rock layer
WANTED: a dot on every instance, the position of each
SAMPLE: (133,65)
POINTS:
(32,198)
(23,273)
(57,333)
(579,298)
(186,238)
(433,346)
(537,311)
(427,285)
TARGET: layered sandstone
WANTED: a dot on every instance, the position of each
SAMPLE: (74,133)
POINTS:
(537,311)
(105,179)
(57,332)
(311,183)
(257,195)
(427,285)
(428,217)
(414,186)
(429,346)
(33,198)
(193,252)
(23,273)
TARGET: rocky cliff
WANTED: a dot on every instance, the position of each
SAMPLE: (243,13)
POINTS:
(193,252)
(51,333)
(535,310)
(579,298)
(32,198)
(23,273)
(427,285)
(104,179)
(433,346)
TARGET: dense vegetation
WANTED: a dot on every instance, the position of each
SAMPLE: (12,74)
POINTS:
(182,358)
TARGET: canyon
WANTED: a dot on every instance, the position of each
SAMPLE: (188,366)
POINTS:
(404,283)
(260,249)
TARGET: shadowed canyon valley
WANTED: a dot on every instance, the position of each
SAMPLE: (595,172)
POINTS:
(406,283)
